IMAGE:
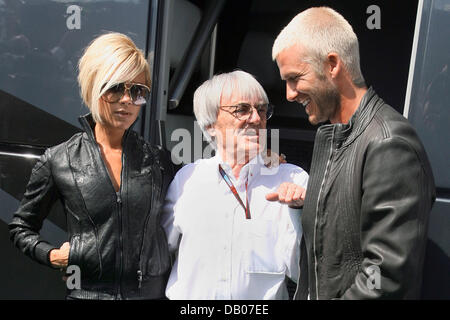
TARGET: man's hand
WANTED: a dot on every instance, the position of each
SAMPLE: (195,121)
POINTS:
(59,258)
(288,193)
(272,159)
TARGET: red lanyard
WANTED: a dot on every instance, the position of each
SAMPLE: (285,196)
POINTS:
(233,189)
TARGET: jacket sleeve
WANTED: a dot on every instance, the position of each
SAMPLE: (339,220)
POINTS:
(39,196)
(397,195)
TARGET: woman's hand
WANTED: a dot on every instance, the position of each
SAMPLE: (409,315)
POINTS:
(59,258)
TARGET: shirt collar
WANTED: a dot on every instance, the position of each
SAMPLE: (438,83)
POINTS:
(249,171)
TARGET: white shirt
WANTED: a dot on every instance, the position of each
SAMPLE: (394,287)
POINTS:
(221,254)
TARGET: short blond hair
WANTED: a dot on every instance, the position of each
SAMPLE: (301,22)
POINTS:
(321,30)
(109,59)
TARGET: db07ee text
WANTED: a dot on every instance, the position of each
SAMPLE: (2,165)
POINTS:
(244,309)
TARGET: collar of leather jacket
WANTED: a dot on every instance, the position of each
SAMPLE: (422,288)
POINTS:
(345,133)
(88,124)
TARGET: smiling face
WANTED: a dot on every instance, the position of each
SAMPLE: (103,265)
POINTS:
(123,113)
(316,93)
(239,139)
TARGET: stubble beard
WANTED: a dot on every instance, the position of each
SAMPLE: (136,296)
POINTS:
(328,102)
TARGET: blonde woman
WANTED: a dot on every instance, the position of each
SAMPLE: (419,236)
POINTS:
(110,182)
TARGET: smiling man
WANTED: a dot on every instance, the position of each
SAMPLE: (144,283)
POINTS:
(232,243)
(371,189)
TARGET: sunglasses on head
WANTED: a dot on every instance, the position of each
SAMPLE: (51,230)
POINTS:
(137,92)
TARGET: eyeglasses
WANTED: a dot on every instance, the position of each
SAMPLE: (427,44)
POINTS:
(243,111)
(138,93)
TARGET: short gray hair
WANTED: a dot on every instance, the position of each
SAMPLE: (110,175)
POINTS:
(207,97)
(321,30)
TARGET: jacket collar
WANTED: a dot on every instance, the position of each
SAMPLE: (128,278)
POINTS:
(88,124)
(345,134)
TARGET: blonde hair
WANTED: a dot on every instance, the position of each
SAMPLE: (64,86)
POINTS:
(321,30)
(109,59)
(207,97)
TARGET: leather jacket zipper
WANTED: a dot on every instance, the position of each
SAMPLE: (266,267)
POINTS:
(119,211)
(317,211)
(139,272)
(119,206)
(139,276)
(119,203)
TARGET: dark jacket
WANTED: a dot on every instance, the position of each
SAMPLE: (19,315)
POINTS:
(365,216)
(115,239)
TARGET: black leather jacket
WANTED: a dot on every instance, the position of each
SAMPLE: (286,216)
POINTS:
(369,196)
(115,239)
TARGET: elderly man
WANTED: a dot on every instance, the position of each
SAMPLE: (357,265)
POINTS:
(371,190)
(232,243)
